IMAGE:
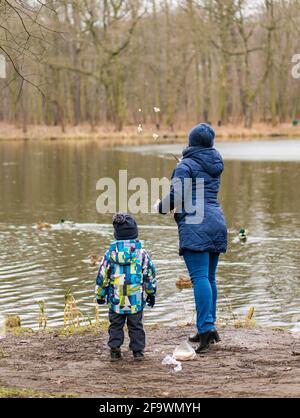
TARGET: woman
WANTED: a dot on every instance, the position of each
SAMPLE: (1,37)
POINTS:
(202,241)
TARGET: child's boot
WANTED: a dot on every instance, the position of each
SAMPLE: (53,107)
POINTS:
(115,354)
(138,356)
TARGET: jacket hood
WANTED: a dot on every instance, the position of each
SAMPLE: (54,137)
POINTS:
(202,135)
(209,158)
(124,252)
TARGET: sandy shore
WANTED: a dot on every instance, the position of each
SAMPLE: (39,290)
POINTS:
(247,363)
(130,136)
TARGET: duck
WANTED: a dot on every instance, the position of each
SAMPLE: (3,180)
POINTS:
(43,225)
(66,224)
(243,234)
(94,259)
(183,282)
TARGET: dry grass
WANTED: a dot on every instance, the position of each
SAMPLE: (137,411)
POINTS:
(42,315)
(12,392)
(72,315)
(248,321)
(74,321)
(258,131)
(92,329)
(230,318)
(131,136)
(20,331)
(12,321)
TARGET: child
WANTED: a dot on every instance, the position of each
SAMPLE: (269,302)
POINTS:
(126,279)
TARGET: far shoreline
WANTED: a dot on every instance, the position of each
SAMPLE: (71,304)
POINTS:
(129,135)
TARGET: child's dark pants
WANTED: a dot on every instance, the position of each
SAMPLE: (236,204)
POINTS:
(135,330)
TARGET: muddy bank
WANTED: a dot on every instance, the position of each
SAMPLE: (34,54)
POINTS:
(247,363)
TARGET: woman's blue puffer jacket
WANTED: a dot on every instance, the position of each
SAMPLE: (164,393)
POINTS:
(211,234)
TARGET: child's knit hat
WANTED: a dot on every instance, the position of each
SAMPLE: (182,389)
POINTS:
(202,135)
(125,226)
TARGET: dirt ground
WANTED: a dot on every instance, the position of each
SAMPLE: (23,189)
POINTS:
(247,363)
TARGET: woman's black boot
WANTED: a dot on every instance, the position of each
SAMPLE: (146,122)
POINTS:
(195,338)
(214,336)
(205,340)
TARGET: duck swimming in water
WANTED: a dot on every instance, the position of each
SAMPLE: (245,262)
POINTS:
(183,282)
(94,259)
(42,226)
(243,234)
(66,224)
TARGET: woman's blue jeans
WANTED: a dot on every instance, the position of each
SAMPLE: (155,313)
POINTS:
(202,267)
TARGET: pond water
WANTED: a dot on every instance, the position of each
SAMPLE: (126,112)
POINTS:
(51,180)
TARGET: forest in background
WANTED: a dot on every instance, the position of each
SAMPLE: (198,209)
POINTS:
(72,62)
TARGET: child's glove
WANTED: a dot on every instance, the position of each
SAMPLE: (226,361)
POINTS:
(150,300)
(101,301)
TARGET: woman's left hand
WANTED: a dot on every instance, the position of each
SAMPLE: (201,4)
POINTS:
(156,206)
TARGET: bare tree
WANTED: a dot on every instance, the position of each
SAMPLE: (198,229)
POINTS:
(112,61)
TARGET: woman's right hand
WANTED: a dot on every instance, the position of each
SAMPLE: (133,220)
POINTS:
(156,206)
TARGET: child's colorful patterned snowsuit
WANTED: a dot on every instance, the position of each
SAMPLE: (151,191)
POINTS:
(126,276)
